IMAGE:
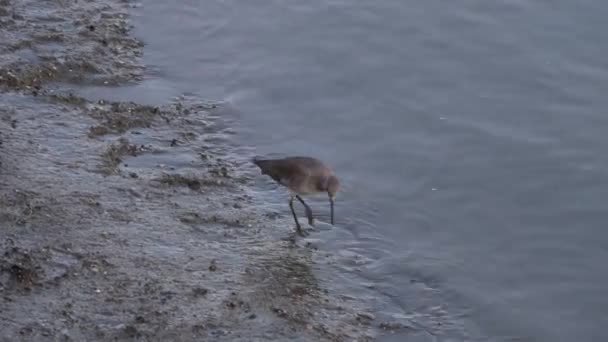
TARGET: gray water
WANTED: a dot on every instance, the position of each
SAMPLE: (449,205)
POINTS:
(469,137)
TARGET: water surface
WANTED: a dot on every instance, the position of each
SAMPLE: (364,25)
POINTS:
(469,137)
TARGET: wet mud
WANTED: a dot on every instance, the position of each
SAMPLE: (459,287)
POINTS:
(60,40)
(120,221)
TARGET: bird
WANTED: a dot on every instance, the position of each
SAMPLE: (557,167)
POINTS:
(302,176)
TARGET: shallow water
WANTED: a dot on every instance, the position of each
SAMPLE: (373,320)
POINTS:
(469,137)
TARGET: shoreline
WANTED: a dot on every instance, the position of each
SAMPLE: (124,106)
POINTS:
(123,221)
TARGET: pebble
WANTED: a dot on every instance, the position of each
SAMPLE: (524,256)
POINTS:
(199,291)
(391,326)
(366,315)
(212,266)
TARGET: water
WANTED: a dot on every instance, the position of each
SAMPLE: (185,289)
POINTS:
(469,137)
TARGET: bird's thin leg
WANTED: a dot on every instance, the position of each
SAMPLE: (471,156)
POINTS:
(311,220)
(295,217)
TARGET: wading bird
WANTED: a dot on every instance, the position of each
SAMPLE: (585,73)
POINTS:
(302,176)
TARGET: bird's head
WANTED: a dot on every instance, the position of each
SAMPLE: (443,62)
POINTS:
(333,186)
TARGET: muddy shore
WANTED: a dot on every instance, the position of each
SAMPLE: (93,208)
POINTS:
(120,221)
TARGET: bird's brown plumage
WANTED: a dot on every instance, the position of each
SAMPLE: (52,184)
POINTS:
(302,175)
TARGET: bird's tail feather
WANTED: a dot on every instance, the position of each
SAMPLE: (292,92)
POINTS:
(259,161)
(256,160)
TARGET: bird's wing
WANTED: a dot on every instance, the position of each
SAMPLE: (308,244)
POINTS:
(294,173)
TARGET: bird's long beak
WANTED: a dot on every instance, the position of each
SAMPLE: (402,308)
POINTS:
(331,203)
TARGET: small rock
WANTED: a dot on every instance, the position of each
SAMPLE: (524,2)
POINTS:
(280,312)
(365,316)
(131,331)
(312,244)
(212,266)
(133,175)
(173,142)
(199,291)
(252,316)
(197,328)
(392,326)
(223,171)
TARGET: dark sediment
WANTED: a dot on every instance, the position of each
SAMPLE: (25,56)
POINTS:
(53,41)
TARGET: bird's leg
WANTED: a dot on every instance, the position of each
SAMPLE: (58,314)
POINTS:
(311,220)
(295,217)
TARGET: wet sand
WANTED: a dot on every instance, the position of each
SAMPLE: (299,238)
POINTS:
(120,221)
